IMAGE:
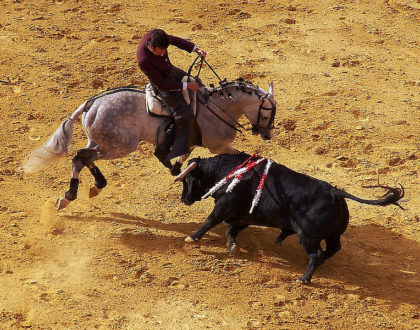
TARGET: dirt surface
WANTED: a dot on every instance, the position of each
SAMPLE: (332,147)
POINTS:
(347,82)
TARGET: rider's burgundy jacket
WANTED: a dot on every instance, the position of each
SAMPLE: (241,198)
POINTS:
(157,68)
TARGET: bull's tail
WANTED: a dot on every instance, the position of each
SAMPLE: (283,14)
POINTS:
(392,196)
(55,147)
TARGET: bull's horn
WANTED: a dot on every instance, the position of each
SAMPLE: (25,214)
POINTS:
(182,175)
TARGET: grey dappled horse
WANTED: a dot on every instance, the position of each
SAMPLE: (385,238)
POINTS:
(117,121)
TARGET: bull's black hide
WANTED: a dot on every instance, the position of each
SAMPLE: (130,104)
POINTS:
(293,202)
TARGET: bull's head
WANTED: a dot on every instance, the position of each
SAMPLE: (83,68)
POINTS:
(193,186)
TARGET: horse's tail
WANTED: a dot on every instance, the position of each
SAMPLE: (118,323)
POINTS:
(55,147)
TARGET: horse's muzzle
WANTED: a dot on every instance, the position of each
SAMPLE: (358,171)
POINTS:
(266,134)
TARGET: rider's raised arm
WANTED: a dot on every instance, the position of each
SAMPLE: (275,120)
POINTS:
(181,43)
(158,79)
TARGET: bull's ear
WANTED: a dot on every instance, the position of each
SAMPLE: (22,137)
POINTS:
(189,168)
(271,89)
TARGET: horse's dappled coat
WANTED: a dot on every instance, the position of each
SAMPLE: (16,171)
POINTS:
(116,122)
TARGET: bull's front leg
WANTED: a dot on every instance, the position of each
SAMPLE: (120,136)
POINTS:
(211,221)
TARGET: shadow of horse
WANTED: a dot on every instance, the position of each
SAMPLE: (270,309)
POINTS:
(384,264)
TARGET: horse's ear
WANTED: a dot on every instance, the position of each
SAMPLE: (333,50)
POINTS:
(271,89)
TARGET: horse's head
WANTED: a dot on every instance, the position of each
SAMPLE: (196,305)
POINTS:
(266,114)
(236,98)
(259,107)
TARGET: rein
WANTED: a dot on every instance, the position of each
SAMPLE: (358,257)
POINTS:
(255,127)
(201,65)
(223,83)
(223,120)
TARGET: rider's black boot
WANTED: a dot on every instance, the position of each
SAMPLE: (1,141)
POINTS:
(181,144)
(164,146)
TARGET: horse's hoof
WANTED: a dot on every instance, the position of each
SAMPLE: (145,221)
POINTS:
(176,168)
(94,191)
(234,250)
(189,240)
(61,203)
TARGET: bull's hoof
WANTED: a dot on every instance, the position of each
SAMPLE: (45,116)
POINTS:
(304,280)
(61,203)
(94,191)
(189,239)
(234,250)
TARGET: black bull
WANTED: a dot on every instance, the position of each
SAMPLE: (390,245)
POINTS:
(291,201)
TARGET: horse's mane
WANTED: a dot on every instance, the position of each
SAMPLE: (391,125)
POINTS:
(238,84)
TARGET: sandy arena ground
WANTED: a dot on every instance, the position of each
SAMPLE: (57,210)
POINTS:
(347,82)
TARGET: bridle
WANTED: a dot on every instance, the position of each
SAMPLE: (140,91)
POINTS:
(256,128)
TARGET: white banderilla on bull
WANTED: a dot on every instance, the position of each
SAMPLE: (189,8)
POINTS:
(237,174)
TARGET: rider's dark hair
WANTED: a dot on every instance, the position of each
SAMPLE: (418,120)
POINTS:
(158,38)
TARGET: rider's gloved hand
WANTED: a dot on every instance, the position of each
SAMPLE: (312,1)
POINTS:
(200,52)
(192,85)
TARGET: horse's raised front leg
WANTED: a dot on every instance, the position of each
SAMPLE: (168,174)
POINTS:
(176,168)
(83,157)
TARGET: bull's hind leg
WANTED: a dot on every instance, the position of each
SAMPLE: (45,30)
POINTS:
(316,258)
(333,246)
(231,234)
(284,233)
(83,157)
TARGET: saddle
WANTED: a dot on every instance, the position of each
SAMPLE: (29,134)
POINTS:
(166,133)
(157,106)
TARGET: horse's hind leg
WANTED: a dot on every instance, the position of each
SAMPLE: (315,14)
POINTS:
(87,157)
(83,157)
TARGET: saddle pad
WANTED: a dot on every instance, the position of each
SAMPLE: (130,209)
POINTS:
(155,106)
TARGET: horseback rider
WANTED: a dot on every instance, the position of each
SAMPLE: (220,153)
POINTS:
(153,60)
